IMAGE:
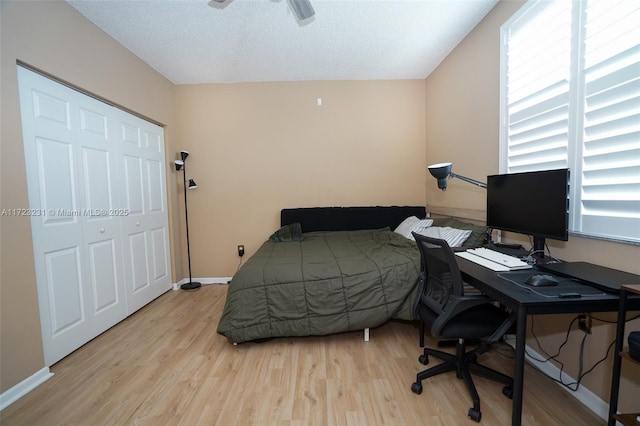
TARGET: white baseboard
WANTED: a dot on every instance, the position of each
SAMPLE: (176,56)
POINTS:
(584,395)
(203,281)
(27,385)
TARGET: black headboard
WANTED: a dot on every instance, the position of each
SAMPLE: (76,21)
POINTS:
(349,218)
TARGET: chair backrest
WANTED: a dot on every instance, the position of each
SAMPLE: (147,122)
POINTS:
(440,271)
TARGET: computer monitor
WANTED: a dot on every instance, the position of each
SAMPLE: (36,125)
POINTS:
(530,203)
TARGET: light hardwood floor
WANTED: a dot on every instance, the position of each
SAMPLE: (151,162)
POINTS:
(166,365)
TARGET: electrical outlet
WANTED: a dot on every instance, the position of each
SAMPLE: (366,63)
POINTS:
(584,323)
(240,250)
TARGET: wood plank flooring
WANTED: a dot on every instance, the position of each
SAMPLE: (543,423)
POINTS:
(166,365)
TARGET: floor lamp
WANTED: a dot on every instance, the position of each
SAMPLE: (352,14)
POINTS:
(181,165)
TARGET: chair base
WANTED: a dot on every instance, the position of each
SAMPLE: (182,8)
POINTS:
(463,363)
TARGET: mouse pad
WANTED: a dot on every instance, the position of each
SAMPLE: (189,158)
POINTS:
(565,285)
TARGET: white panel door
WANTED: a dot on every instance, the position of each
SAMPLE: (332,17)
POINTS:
(101,227)
(145,227)
(98,211)
(70,154)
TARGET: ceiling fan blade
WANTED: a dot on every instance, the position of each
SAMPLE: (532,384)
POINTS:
(302,9)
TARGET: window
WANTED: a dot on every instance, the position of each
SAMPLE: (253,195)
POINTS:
(570,97)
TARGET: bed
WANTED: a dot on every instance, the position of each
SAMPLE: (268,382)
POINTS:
(329,270)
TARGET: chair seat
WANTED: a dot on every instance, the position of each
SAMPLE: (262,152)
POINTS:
(466,325)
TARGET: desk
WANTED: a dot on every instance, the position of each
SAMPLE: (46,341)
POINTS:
(524,303)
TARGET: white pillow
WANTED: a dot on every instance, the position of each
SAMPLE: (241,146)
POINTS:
(454,237)
(420,226)
(412,224)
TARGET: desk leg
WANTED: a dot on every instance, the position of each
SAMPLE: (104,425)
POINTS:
(518,374)
(617,361)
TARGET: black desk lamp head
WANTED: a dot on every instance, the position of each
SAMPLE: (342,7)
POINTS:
(442,172)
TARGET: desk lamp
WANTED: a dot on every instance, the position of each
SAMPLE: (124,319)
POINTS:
(442,172)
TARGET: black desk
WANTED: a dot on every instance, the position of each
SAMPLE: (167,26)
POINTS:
(525,303)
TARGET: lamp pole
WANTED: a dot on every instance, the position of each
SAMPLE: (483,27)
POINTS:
(468,180)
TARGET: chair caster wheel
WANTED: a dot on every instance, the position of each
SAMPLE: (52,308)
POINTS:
(508,391)
(416,388)
(423,359)
(474,414)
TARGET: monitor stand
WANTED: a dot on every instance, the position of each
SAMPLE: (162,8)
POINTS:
(538,247)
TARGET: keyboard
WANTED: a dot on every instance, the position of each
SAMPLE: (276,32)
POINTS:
(494,260)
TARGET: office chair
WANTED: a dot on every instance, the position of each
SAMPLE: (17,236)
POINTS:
(450,314)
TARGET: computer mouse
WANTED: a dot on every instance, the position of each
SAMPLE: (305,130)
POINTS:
(541,280)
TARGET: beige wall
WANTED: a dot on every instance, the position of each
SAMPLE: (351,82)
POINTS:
(257,148)
(52,36)
(462,106)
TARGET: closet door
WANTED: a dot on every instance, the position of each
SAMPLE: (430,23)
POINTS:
(70,155)
(145,226)
(97,201)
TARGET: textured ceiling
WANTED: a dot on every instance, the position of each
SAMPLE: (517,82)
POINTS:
(201,41)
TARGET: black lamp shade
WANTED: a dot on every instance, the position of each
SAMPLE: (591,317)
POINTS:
(441,171)
(192,184)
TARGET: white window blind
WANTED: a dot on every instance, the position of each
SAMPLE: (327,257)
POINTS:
(570,80)
(538,89)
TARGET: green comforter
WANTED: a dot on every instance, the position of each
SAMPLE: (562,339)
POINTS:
(329,282)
